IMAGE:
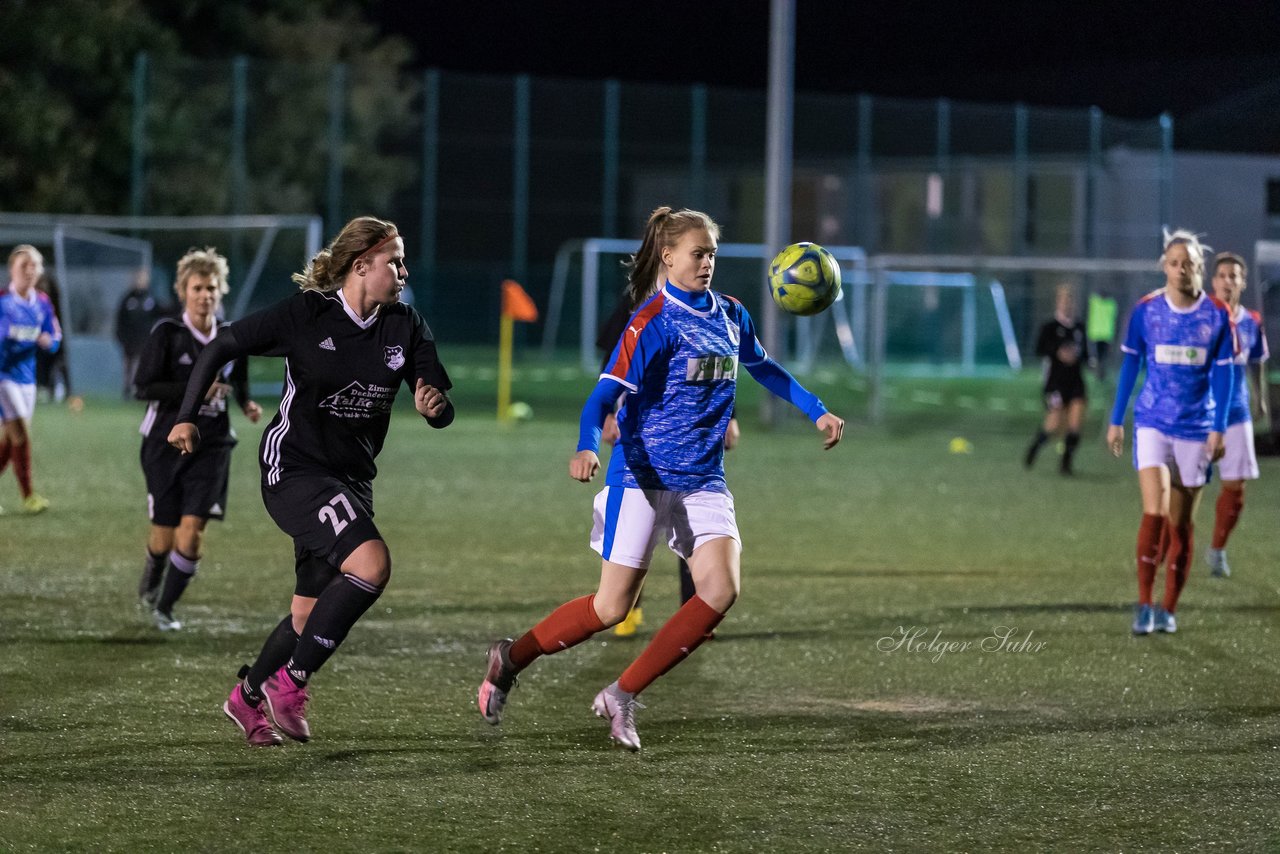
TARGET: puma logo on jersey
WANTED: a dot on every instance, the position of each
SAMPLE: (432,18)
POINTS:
(327,344)
(634,331)
(184,359)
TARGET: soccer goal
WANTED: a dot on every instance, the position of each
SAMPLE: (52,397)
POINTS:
(94,260)
(963,314)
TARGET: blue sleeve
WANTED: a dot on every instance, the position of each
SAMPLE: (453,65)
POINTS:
(1221,382)
(750,350)
(1135,338)
(49,324)
(776,379)
(598,405)
(1124,386)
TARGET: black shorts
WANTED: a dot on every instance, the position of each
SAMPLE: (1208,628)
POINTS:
(1058,395)
(327,518)
(185,484)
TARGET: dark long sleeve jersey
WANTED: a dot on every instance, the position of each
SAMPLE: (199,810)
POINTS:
(164,367)
(341,378)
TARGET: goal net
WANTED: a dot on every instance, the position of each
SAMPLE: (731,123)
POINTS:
(95,259)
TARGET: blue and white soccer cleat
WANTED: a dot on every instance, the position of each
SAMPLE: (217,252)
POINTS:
(1217,560)
(1165,621)
(1144,622)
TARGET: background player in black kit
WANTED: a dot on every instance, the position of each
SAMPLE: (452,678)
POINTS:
(348,344)
(1062,343)
(185,491)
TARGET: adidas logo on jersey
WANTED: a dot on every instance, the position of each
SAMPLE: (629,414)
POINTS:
(184,359)
(327,344)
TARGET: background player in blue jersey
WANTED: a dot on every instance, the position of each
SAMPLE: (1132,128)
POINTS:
(27,324)
(1184,338)
(185,491)
(348,345)
(1240,463)
(1063,347)
(677,363)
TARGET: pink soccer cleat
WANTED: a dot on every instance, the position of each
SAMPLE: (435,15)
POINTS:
(287,704)
(251,720)
(498,682)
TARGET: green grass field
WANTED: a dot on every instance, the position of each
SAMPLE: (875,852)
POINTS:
(800,729)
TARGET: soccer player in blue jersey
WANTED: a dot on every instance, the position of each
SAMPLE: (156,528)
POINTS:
(349,344)
(1240,463)
(27,323)
(1184,338)
(677,364)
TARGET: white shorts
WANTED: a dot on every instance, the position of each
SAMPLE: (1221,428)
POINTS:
(1188,460)
(17,400)
(1241,460)
(628,522)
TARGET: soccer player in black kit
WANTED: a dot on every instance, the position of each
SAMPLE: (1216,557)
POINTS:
(1064,347)
(348,344)
(185,491)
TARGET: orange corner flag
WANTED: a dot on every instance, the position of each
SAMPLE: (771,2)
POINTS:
(516,304)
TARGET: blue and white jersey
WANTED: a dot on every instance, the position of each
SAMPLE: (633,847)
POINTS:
(1251,344)
(1180,347)
(21,322)
(680,367)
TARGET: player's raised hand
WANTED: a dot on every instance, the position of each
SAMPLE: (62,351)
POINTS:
(1115,439)
(584,465)
(428,400)
(833,426)
(185,436)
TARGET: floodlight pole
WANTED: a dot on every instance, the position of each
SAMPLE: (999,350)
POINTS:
(777,194)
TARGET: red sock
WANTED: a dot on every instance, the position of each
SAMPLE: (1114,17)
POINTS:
(1162,550)
(22,467)
(566,626)
(5,448)
(1149,534)
(1175,576)
(678,637)
(1230,503)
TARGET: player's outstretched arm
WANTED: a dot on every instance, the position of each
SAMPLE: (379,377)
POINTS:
(832,426)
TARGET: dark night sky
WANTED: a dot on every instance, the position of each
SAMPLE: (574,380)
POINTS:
(1130,58)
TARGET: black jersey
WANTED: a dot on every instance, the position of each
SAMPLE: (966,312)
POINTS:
(165,365)
(1063,372)
(341,378)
